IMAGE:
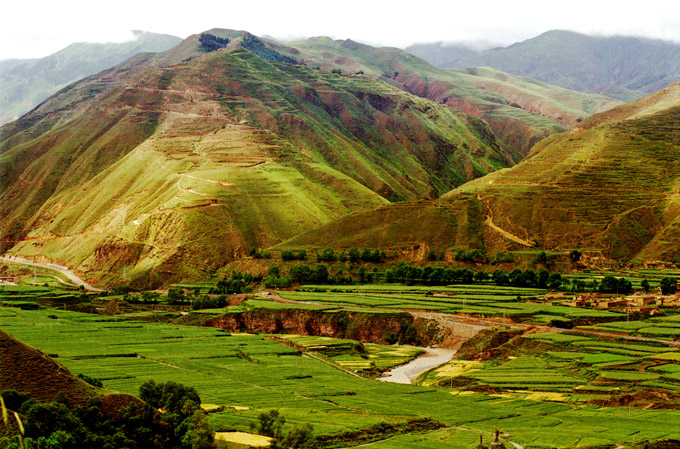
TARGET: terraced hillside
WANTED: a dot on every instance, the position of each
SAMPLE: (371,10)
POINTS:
(170,166)
(520,112)
(610,185)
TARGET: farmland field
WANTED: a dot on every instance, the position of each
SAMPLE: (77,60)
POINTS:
(487,300)
(245,374)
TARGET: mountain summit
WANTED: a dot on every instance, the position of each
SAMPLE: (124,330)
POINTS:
(174,164)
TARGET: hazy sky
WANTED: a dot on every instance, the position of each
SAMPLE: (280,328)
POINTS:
(40,27)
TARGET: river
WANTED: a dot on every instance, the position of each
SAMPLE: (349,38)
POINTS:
(405,374)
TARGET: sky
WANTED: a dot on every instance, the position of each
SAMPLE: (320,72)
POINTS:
(40,27)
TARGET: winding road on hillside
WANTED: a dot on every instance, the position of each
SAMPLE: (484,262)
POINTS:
(489,222)
(63,270)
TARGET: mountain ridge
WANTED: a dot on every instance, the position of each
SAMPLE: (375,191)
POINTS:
(155,163)
(622,67)
(25,83)
(608,186)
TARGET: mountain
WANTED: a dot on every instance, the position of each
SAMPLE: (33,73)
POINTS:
(169,166)
(172,165)
(441,54)
(519,120)
(25,83)
(609,186)
(564,106)
(621,67)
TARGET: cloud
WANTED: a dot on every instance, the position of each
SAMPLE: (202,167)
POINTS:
(41,27)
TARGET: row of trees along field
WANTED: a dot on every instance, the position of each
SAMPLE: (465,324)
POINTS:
(403,273)
(327,255)
(378,256)
(411,275)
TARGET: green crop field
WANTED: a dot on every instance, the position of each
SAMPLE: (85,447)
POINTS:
(250,373)
(489,300)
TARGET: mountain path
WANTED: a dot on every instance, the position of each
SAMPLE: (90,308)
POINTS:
(508,235)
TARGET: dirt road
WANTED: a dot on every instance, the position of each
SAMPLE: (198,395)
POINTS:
(63,270)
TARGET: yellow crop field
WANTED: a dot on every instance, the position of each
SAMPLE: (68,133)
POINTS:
(247,439)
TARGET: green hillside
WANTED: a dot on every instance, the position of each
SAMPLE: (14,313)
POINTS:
(25,83)
(609,186)
(520,112)
(622,67)
(171,171)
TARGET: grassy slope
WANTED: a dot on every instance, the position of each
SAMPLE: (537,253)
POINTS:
(28,370)
(565,106)
(153,167)
(520,111)
(610,185)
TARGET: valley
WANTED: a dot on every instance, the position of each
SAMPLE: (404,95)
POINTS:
(604,379)
(242,242)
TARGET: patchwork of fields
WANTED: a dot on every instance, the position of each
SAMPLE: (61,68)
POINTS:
(244,374)
(487,300)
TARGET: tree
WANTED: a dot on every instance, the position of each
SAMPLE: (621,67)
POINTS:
(481,276)
(543,277)
(541,258)
(500,277)
(320,274)
(555,281)
(176,296)
(327,255)
(575,255)
(516,277)
(610,284)
(287,255)
(362,274)
(270,424)
(198,433)
(431,255)
(209,42)
(300,437)
(353,254)
(645,285)
(300,273)
(274,271)
(624,286)
(169,396)
(668,286)
(467,275)
(529,278)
